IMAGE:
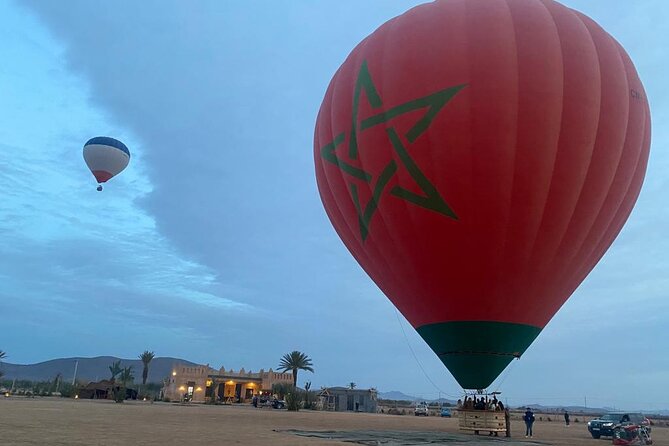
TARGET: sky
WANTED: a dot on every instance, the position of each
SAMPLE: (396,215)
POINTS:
(213,245)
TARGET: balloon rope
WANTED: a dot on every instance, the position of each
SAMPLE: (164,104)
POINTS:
(397,314)
(506,374)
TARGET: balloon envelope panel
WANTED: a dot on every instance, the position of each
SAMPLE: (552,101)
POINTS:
(478,157)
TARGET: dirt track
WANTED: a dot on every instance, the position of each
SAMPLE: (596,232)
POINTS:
(79,422)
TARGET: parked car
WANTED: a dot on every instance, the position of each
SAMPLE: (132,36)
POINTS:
(603,426)
(446,412)
(421,409)
(274,403)
(278,404)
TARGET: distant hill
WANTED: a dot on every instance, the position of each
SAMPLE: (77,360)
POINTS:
(396,395)
(444,401)
(589,410)
(89,369)
(570,409)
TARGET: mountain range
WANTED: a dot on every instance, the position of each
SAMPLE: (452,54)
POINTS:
(396,395)
(89,369)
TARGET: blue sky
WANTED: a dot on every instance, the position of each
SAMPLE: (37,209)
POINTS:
(213,245)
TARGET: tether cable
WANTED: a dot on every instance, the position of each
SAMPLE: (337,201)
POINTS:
(399,321)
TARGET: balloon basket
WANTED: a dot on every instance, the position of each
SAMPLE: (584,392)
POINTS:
(482,412)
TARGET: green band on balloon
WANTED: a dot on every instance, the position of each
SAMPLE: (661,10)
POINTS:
(476,352)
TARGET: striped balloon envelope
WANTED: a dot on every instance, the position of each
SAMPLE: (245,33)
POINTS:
(105,157)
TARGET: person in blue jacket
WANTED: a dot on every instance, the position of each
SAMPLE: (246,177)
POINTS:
(529,421)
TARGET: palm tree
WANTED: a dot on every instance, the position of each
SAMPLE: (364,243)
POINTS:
(295,361)
(115,370)
(351,385)
(146,358)
(126,376)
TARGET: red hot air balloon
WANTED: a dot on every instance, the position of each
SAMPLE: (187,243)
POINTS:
(478,157)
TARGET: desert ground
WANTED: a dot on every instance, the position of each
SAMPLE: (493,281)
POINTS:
(51,421)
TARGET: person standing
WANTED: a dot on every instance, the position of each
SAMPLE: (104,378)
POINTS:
(507,421)
(529,421)
(566,418)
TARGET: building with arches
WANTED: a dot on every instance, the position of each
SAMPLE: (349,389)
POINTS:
(202,383)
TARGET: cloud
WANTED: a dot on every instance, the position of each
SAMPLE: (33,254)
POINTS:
(69,253)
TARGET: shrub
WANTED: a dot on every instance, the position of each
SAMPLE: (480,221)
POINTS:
(119,394)
(310,399)
(293,400)
(68,390)
(576,420)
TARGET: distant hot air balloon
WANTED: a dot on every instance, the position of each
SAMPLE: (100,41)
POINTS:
(478,158)
(106,157)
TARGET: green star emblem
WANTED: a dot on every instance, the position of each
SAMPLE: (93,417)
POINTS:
(430,198)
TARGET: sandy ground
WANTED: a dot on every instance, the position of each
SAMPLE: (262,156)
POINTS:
(85,422)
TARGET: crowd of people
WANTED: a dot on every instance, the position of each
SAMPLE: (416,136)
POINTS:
(474,403)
